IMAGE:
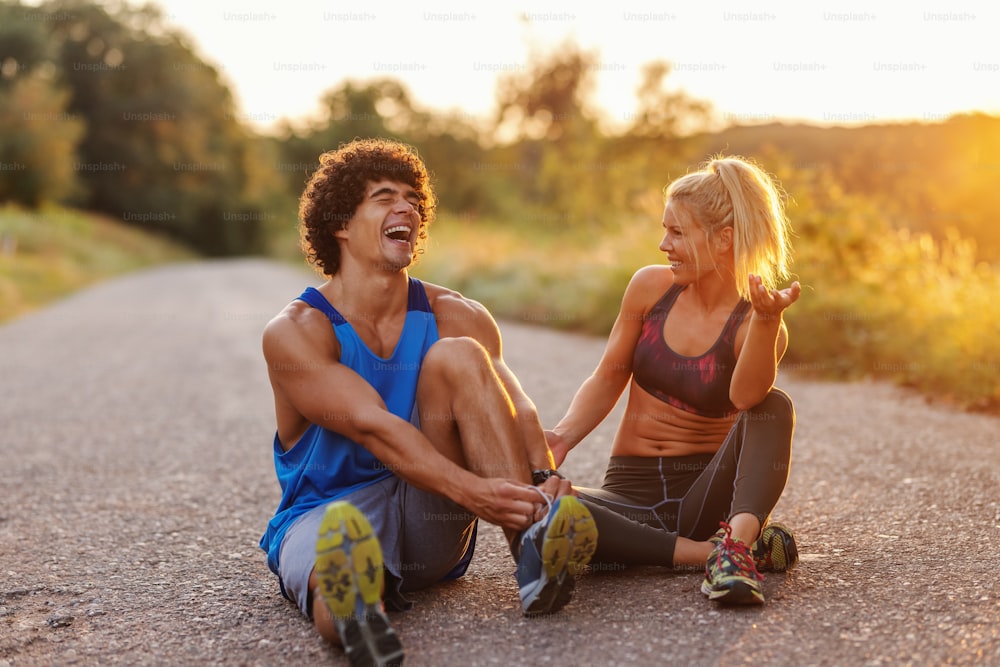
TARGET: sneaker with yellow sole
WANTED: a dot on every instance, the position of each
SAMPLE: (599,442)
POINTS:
(552,553)
(350,577)
(775,550)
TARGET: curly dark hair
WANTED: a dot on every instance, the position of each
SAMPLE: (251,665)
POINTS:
(337,187)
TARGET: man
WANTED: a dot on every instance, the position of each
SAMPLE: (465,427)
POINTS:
(398,423)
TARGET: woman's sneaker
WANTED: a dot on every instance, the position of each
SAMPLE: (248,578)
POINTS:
(350,576)
(730,573)
(552,552)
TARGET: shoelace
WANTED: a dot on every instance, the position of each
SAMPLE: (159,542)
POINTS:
(515,547)
(546,497)
(738,554)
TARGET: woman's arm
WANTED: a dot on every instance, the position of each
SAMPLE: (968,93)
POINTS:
(764,346)
(600,392)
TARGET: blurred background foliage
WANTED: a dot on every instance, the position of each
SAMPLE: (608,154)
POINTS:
(546,208)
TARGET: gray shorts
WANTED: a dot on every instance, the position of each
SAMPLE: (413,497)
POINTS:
(423,537)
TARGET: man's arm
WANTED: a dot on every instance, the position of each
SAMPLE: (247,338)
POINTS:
(301,356)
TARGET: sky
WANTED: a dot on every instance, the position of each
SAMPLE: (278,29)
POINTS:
(827,63)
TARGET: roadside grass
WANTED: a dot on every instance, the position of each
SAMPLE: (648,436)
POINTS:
(49,253)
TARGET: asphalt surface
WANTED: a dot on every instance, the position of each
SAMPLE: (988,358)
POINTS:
(136,478)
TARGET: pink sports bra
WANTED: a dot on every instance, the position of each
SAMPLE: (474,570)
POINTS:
(699,385)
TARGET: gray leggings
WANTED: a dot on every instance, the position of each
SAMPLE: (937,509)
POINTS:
(645,503)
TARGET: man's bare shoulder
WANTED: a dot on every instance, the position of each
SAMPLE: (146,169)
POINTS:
(456,314)
(297,324)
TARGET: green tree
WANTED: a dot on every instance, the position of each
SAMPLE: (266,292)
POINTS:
(348,111)
(163,146)
(384,107)
(38,136)
(657,144)
(37,143)
(548,112)
(661,112)
(23,41)
(584,176)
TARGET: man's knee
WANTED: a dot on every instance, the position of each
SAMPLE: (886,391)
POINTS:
(461,358)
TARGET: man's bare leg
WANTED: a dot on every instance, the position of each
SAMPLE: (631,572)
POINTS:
(466,413)
(322,618)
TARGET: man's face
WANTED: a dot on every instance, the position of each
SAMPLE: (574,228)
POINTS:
(385,225)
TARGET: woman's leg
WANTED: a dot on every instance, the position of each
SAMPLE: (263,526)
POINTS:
(744,480)
(635,515)
(623,537)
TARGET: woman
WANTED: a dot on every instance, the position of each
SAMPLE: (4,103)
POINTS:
(703,449)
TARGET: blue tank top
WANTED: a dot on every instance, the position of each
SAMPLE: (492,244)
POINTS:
(699,385)
(324,465)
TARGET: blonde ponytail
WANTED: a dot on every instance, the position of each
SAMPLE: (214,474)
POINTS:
(734,192)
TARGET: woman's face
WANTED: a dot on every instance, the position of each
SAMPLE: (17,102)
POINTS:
(685,243)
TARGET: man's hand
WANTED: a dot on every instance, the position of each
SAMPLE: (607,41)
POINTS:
(507,504)
(553,487)
(514,505)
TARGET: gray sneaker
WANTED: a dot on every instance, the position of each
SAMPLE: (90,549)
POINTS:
(553,551)
(349,571)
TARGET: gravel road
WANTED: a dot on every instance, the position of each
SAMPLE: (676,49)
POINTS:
(136,477)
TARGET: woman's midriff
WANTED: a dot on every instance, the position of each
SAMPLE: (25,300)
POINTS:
(651,427)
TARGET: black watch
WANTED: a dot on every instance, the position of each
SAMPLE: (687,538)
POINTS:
(539,476)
